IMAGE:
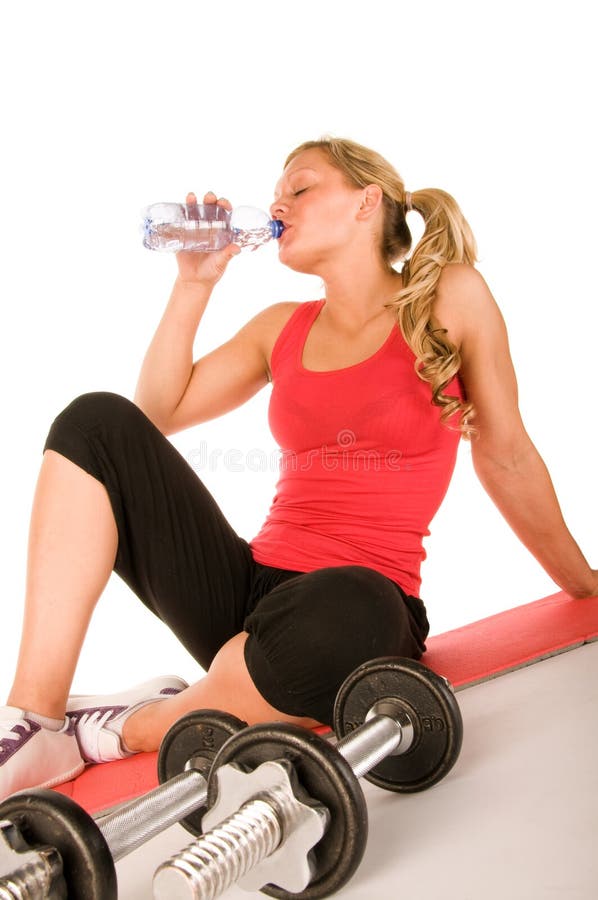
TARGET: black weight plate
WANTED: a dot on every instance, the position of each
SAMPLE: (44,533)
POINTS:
(326,777)
(47,817)
(432,707)
(198,735)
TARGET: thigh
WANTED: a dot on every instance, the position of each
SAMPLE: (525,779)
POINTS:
(176,550)
(309,633)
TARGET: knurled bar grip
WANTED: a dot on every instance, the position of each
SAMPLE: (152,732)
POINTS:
(373,741)
(137,822)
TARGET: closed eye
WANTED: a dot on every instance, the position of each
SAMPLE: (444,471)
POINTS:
(302,191)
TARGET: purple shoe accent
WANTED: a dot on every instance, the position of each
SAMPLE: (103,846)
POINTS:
(99,720)
(77,714)
(8,747)
(71,727)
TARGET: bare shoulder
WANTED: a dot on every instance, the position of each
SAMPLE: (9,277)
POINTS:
(464,303)
(273,316)
(468,310)
(265,327)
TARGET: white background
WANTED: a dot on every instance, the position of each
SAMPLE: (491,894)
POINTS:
(111,106)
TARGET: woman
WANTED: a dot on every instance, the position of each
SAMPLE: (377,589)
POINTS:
(372,389)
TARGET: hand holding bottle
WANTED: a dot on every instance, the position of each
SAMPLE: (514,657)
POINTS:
(205,237)
(174,227)
(205,268)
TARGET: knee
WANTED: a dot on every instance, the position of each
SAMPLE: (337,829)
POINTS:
(352,613)
(333,613)
(327,624)
(92,426)
(97,408)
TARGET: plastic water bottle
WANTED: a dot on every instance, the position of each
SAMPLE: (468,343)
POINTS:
(178,226)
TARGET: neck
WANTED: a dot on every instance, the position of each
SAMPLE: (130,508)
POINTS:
(356,293)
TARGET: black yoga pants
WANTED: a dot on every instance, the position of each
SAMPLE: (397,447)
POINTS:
(307,630)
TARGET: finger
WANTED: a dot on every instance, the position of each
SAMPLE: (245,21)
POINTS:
(228,252)
(190,198)
(192,208)
(222,201)
(210,198)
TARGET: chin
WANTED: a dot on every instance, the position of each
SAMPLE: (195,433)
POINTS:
(303,269)
(303,263)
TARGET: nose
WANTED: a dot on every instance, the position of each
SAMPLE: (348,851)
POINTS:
(278,209)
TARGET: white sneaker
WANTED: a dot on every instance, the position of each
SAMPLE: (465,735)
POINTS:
(98,720)
(32,756)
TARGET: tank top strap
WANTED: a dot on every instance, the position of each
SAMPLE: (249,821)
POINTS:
(290,341)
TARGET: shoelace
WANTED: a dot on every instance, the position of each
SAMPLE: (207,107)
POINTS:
(93,723)
(7,732)
(97,718)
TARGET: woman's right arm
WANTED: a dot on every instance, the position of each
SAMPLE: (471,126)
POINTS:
(172,390)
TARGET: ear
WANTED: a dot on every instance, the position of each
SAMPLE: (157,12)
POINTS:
(371,200)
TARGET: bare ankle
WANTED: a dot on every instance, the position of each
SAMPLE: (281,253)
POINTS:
(138,734)
(35,704)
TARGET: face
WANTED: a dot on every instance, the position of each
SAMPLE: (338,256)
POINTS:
(320,211)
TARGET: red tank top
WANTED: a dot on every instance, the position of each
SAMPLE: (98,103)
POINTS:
(365,461)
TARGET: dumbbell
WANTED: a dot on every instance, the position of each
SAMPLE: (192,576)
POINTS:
(50,847)
(286,810)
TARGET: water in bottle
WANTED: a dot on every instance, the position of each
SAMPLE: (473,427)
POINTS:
(200,228)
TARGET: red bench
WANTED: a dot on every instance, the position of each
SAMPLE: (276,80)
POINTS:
(466,656)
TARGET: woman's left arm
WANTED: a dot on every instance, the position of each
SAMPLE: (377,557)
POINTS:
(505,460)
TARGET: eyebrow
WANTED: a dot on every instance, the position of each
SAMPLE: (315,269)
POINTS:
(293,172)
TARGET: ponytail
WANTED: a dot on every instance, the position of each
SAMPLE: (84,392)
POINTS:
(447,238)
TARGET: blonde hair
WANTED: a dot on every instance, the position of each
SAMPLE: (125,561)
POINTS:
(447,238)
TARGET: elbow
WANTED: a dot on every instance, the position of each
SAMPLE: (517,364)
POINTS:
(160,422)
(500,457)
